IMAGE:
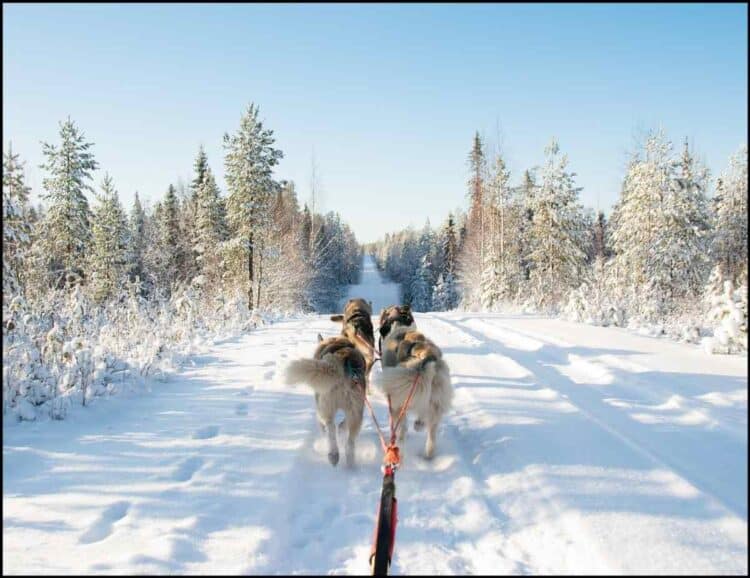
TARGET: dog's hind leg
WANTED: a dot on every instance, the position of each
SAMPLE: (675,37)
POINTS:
(354,423)
(333,448)
(429,446)
(321,420)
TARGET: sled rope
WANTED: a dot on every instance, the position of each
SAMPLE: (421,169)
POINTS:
(392,456)
(384,537)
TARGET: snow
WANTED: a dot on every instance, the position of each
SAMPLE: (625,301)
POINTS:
(570,449)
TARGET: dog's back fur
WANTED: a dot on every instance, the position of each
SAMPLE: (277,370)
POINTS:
(407,355)
(357,321)
(337,374)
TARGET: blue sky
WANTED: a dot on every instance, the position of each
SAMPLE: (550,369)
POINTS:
(387,96)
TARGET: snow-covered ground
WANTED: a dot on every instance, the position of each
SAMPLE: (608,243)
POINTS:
(373,288)
(570,449)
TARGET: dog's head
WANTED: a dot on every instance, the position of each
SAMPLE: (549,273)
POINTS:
(353,308)
(395,315)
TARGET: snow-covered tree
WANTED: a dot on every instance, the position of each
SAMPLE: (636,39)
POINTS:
(210,228)
(471,261)
(558,257)
(730,218)
(445,294)
(682,243)
(137,236)
(659,228)
(727,313)
(66,228)
(200,168)
(421,287)
(249,162)
(600,237)
(16,226)
(108,257)
(527,193)
(450,246)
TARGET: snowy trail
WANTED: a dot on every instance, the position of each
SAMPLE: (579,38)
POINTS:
(570,449)
(373,288)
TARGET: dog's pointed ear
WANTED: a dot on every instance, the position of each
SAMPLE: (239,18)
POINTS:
(337,318)
(406,308)
(320,338)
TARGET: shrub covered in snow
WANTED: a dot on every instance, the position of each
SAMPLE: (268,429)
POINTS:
(77,349)
(728,316)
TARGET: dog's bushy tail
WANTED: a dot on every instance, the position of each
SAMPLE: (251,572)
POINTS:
(396,381)
(320,374)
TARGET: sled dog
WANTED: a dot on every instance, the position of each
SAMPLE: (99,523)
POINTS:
(357,320)
(408,355)
(337,375)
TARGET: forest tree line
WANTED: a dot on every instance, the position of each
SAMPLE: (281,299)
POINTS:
(671,259)
(90,289)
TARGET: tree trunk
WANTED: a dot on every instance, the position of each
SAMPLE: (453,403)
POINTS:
(250,273)
(260,276)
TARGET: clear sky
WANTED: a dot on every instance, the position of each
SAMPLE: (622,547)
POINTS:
(387,96)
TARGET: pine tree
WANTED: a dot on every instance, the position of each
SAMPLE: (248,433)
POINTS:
(67,230)
(600,248)
(305,231)
(473,246)
(169,238)
(450,246)
(109,248)
(558,257)
(445,295)
(659,229)
(528,196)
(16,225)
(421,288)
(730,219)
(210,228)
(682,240)
(249,161)
(137,236)
(200,166)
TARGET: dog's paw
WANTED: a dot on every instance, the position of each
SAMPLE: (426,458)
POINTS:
(418,425)
(333,457)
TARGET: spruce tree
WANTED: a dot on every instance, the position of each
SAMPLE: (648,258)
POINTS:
(421,288)
(67,229)
(137,236)
(16,225)
(108,258)
(210,228)
(558,257)
(305,231)
(730,219)
(249,161)
(450,246)
(169,236)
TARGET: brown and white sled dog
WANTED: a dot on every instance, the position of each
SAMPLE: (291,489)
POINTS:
(406,355)
(337,374)
(357,320)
